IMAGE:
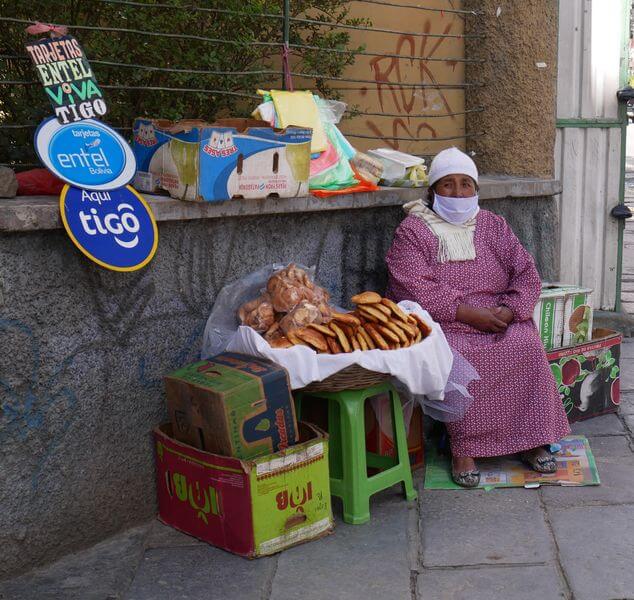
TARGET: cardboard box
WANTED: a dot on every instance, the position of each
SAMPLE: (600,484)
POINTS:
(232,404)
(588,375)
(230,158)
(379,431)
(549,315)
(578,316)
(563,315)
(251,508)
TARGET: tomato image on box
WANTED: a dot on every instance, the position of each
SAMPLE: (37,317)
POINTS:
(588,375)
(232,404)
(251,508)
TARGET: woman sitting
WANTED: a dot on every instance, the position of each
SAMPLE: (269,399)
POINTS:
(470,272)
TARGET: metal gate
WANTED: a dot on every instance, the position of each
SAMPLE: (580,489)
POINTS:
(590,143)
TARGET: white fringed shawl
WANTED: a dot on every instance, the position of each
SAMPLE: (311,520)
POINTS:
(455,242)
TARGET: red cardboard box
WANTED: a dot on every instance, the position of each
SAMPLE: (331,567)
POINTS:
(588,375)
(248,507)
(379,432)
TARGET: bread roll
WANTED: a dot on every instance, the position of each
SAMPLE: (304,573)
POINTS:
(395,308)
(257,314)
(362,343)
(372,314)
(295,339)
(424,328)
(301,316)
(313,338)
(409,329)
(388,334)
(376,336)
(341,336)
(368,339)
(355,343)
(395,329)
(384,309)
(333,345)
(323,329)
(347,318)
(281,342)
(366,298)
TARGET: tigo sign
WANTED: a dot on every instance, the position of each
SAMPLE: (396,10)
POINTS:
(86,154)
(116,229)
(67,78)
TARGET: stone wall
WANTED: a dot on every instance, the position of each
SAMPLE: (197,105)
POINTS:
(85,350)
(519,74)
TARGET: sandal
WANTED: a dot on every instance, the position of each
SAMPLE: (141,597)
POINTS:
(541,464)
(466,479)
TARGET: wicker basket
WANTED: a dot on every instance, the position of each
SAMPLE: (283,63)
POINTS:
(353,377)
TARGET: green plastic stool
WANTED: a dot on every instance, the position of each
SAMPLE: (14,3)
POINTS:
(349,459)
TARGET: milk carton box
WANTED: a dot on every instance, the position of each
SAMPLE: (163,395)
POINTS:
(549,315)
(226,159)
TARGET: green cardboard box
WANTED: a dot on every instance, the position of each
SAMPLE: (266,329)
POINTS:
(563,315)
(232,404)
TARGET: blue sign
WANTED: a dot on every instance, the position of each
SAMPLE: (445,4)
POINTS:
(116,229)
(86,154)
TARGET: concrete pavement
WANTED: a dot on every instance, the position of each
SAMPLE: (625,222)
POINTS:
(569,543)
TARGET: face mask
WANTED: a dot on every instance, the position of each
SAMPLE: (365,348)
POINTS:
(455,210)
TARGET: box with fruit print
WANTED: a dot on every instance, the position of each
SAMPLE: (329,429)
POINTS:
(588,375)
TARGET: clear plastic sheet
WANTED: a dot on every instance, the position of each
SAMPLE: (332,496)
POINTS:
(223,322)
(457,398)
(330,111)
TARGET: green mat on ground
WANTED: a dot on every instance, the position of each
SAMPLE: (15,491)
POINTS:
(575,466)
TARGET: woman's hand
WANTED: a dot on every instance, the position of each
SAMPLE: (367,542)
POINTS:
(504,313)
(482,319)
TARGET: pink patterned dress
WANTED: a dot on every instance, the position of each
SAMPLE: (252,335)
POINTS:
(516,404)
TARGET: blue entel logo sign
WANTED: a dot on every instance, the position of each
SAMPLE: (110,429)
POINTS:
(116,228)
(86,154)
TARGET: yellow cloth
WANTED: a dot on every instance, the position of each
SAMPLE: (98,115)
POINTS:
(300,109)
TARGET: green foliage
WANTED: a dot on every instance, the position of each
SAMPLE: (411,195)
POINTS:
(147,63)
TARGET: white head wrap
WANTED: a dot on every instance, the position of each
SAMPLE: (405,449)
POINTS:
(452,162)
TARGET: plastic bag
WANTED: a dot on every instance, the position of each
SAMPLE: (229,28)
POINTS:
(361,185)
(223,321)
(457,398)
(38,182)
(330,111)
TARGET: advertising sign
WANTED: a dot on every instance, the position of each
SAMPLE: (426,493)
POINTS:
(87,154)
(115,228)
(68,80)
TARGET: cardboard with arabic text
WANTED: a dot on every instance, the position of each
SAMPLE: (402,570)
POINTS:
(232,404)
(249,507)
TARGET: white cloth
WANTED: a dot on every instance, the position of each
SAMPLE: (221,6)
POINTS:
(455,242)
(423,368)
(452,162)
(456,211)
